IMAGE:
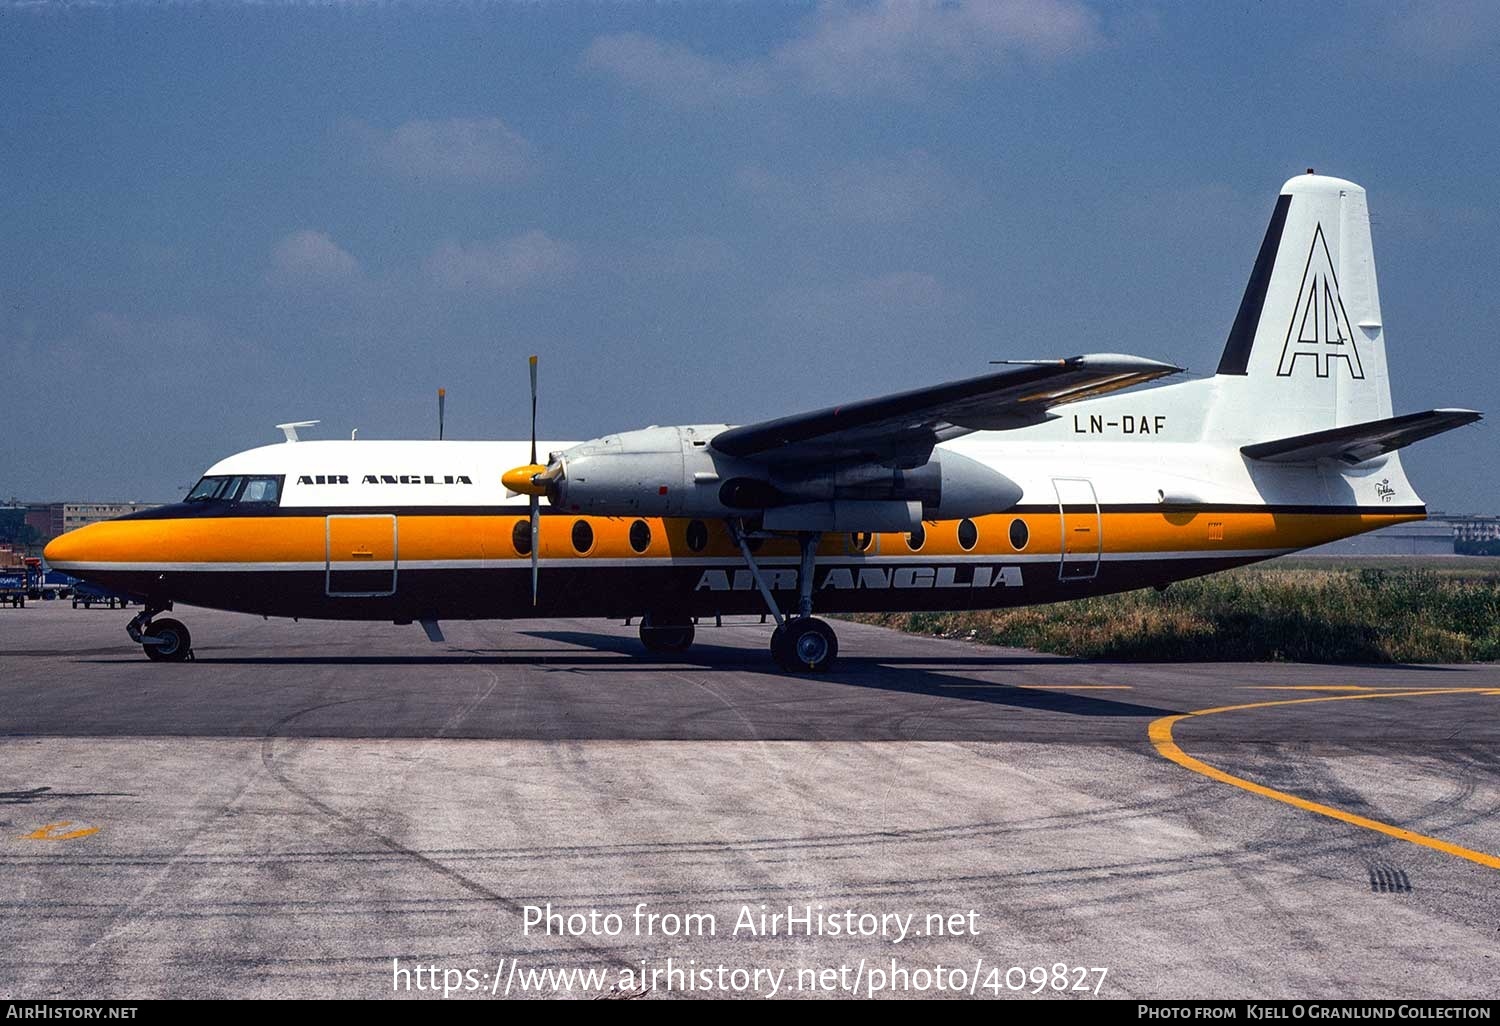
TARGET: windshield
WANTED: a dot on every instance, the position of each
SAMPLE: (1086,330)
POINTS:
(214,488)
(235,488)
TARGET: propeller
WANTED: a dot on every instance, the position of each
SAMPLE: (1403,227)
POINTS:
(531,480)
(536,514)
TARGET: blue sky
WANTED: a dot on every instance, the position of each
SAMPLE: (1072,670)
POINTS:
(215,217)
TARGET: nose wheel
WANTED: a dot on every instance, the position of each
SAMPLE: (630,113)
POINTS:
(163,641)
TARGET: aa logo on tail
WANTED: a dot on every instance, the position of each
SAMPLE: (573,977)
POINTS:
(1320,328)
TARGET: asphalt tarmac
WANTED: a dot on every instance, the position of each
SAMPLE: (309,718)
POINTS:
(306,802)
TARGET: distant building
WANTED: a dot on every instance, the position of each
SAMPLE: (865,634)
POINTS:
(46,518)
(1474,529)
(1420,538)
(77,514)
(50,519)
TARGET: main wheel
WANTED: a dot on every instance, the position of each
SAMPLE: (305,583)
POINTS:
(805,645)
(666,636)
(176,643)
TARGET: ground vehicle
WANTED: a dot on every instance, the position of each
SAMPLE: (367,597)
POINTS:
(53,584)
(15,582)
(90,595)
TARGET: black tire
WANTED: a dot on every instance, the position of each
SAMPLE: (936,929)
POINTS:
(177,642)
(668,636)
(75,603)
(805,645)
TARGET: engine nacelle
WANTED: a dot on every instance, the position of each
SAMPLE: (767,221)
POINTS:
(675,472)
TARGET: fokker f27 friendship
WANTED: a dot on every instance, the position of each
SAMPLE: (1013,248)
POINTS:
(1036,482)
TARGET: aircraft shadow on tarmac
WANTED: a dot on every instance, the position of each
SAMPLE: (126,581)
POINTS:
(943,677)
(912,675)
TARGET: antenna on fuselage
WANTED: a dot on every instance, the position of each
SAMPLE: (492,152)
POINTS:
(290,430)
(442,397)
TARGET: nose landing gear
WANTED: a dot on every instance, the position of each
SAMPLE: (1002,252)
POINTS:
(164,641)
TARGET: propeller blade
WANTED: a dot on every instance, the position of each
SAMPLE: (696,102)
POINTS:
(533,414)
(536,515)
(536,544)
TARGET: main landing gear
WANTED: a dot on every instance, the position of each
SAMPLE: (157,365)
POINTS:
(801,643)
(164,641)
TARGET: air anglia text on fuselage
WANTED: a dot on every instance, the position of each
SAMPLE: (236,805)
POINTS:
(329,479)
(844,578)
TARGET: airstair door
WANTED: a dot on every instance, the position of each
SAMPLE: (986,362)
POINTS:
(1082,529)
(361,553)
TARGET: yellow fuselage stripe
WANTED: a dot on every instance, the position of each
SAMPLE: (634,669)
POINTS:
(291,539)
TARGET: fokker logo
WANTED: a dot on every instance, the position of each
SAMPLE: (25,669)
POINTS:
(1320,327)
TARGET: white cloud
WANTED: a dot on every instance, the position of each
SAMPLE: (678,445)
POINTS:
(501,265)
(674,73)
(308,257)
(884,191)
(859,48)
(894,44)
(462,151)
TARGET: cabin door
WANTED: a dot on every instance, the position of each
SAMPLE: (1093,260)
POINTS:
(1082,531)
(361,555)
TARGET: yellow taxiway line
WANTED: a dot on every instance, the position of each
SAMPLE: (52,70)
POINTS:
(1161,737)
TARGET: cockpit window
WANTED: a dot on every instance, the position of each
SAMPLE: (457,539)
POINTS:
(261,489)
(209,488)
(236,488)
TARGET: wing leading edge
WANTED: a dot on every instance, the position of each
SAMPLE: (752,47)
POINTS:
(901,429)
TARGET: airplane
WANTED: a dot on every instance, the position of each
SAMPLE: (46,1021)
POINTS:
(1038,481)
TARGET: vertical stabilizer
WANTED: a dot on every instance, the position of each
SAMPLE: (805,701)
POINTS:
(1307,349)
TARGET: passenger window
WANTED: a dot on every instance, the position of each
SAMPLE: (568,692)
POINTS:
(968,534)
(917,538)
(583,537)
(697,535)
(1019,535)
(520,537)
(640,536)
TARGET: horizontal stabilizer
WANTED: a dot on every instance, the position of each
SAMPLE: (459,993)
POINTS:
(1359,442)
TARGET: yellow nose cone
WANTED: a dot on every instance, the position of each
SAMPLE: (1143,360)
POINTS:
(522,480)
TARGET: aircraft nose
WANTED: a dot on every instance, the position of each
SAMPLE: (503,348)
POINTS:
(70,550)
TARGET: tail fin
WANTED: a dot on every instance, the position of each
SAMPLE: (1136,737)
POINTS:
(1307,348)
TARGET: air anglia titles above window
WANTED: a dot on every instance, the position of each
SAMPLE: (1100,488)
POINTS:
(384,479)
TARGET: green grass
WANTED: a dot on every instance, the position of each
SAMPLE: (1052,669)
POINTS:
(1372,614)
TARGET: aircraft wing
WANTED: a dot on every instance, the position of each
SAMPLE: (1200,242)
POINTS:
(900,430)
(1356,443)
